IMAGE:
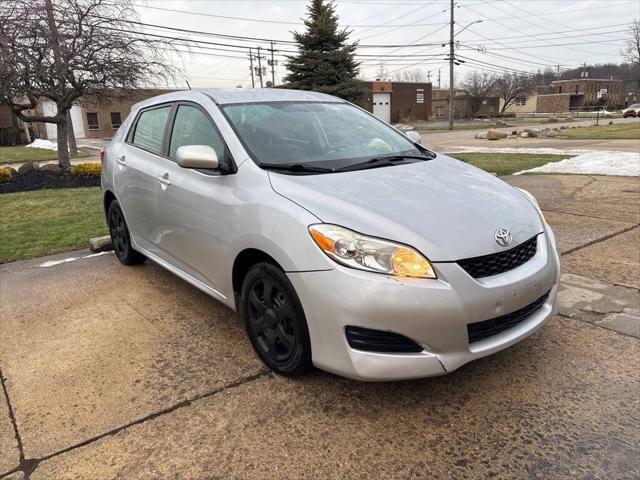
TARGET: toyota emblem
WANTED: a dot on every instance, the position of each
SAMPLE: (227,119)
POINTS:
(503,237)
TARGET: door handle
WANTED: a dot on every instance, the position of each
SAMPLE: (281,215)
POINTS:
(164,179)
(121,161)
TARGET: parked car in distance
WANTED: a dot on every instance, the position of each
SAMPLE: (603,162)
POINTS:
(342,242)
(631,111)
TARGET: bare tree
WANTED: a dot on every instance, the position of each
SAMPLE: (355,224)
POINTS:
(414,75)
(511,86)
(478,86)
(631,51)
(77,48)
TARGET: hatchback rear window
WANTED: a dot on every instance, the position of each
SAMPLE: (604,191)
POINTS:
(149,131)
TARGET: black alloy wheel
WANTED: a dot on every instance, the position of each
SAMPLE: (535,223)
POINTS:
(275,321)
(120,238)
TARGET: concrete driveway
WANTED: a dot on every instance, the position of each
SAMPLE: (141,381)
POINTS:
(113,372)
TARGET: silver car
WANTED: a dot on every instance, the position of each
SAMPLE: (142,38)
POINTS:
(343,243)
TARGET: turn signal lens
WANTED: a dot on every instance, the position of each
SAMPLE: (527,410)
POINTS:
(369,253)
(409,263)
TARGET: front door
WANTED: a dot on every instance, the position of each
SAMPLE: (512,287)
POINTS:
(138,166)
(192,205)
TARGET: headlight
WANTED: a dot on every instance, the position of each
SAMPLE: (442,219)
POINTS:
(534,202)
(368,253)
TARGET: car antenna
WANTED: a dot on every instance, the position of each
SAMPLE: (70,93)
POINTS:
(188,84)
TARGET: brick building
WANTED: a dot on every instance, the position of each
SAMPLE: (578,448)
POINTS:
(396,102)
(593,91)
(462,105)
(570,95)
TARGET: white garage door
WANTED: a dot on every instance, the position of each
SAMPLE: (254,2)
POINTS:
(382,106)
(49,109)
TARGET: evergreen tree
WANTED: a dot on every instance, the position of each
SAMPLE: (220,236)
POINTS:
(325,61)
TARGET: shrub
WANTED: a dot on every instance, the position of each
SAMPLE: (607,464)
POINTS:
(552,119)
(86,170)
(6,175)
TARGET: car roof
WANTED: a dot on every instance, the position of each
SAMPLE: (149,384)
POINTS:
(226,96)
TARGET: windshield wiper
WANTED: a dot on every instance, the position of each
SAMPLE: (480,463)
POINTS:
(381,161)
(296,167)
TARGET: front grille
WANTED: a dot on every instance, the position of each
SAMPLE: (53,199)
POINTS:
(497,263)
(379,341)
(487,328)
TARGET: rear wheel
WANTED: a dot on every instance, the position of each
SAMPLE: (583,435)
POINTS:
(120,238)
(275,321)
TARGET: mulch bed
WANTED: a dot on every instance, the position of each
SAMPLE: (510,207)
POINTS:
(38,181)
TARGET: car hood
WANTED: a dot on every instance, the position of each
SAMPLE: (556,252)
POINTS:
(445,208)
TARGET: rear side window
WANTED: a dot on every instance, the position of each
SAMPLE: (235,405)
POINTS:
(192,127)
(149,131)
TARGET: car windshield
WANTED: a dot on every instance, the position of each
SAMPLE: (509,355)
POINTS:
(635,105)
(330,135)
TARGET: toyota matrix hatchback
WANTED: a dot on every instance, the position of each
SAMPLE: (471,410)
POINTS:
(342,242)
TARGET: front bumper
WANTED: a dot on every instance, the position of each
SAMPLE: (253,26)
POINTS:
(432,313)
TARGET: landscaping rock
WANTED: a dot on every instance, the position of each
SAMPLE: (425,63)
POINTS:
(51,169)
(550,133)
(552,119)
(500,123)
(100,244)
(495,135)
(482,136)
(568,118)
(28,167)
(532,132)
(524,134)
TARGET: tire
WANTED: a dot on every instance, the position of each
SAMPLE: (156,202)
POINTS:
(275,320)
(120,238)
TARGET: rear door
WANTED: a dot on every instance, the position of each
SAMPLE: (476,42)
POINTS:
(192,205)
(138,166)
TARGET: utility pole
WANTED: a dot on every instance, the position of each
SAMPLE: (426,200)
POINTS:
(451,53)
(439,79)
(253,82)
(558,77)
(260,67)
(273,68)
(429,76)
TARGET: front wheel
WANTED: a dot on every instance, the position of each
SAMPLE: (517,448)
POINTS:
(275,321)
(120,238)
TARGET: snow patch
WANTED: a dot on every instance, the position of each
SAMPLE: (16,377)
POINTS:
(40,143)
(536,151)
(595,163)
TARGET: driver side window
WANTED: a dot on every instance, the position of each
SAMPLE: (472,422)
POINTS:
(192,127)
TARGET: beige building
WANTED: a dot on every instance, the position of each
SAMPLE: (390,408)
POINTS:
(92,118)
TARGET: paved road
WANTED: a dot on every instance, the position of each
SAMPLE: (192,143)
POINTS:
(449,141)
(111,372)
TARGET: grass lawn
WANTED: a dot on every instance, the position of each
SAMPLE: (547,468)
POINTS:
(43,222)
(620,131)
(506,163)
(24,154)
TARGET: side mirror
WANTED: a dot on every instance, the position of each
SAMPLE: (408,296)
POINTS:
(197,156)
(414,136)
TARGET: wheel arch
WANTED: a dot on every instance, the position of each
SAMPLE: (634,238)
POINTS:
(243,261)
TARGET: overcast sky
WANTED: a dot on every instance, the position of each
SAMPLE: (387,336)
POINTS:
(521,35)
